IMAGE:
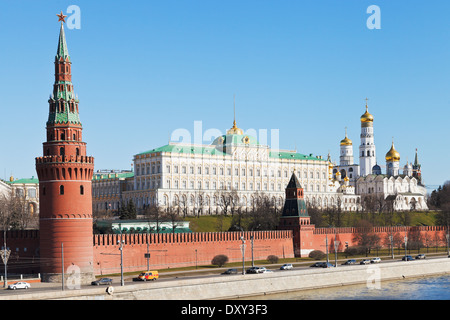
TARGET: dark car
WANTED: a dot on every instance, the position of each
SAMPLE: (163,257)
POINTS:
(102,281)
(407,258)
(351,261)
(322,265)
(230,271)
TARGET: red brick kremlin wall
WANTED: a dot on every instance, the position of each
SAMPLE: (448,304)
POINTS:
(317,238)
(187,249)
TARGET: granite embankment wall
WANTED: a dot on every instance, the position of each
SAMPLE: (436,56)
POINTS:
(235,286)
(185,249)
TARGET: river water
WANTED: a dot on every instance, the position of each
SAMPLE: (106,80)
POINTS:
(427,288)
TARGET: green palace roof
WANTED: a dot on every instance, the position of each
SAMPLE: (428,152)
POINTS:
(112,175)
(187,149)
(227,140)
(25,180)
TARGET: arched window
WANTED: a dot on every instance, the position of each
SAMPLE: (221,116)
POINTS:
(81,190)
(61,189)
(61,151)
(78,151)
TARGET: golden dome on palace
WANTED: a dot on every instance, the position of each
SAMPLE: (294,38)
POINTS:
(392,154)
(235,129)
(367,117)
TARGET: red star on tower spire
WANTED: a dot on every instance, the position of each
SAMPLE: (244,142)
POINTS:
(61,17)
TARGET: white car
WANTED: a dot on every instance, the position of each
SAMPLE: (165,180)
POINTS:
(375,260)
(19,285)
(286,266)
(266,271)
(261,270)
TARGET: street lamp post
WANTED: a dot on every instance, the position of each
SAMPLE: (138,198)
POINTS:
(243,254)
(336,247)
(253,263)
(448,238)
(120,243)
(391,238)
(5,256)
(406,242)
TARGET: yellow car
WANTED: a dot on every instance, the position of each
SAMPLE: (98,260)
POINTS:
(148,275)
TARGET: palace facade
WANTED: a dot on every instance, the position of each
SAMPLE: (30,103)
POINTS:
(197,179)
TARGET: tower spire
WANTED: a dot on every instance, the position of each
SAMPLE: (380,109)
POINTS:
(62,52)
(234,111)
(416,159)
(235,129)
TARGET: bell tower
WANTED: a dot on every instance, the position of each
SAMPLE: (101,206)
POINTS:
(65,174)
(367,152)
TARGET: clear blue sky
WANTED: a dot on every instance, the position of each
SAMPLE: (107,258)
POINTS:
(143,69)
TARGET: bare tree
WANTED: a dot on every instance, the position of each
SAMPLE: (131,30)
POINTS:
(224,200)
(171,214)
(199,202)
(154,213)
(264,214)
(15,213)
(234,202)
(183,205)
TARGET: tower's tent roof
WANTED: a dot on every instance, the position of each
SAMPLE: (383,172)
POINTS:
(293,182)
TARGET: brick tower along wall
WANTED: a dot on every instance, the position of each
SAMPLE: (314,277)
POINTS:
(186,249)
(65,174)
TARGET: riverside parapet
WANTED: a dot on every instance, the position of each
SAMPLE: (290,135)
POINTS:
(237,286)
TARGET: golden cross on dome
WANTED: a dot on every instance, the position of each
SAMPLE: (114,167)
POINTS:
(61,17)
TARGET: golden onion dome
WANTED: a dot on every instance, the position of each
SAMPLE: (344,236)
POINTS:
(367,117)
(392,154)
(346,141)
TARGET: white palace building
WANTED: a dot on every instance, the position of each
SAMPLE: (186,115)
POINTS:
(197,176)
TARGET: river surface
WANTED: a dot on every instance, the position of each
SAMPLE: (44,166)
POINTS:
(427,288)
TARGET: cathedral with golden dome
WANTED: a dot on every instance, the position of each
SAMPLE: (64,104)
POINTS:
(398,190)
